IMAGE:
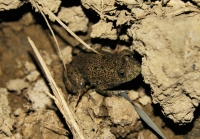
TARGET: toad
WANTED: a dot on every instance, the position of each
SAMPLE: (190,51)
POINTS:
(104,72)
(101,71)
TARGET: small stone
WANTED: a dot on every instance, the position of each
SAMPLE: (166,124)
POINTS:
(66,55)
(145,100)
(32,76)
(37,95)
(133,94)
(18,111)
(29,67)
(16,85)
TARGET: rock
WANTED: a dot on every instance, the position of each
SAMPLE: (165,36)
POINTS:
(121,111)
(32,76)
(38,97)
(6,122)
(145,100)
(29,67)
(75,18)
(133,94)
(170,63)
(17,85)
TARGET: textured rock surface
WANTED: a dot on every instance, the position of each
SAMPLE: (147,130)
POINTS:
(17,85)
(121,111)
(6,122)
(10,4)
(101,114)
(75,18)
(38,97)
(104,30)
(171,63)
(49,125)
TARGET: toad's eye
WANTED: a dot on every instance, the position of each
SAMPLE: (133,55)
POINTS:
(122,74)
(127,57)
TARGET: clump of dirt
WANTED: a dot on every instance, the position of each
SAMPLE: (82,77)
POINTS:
(76,19)
(5,110)
(10,4)
(171,66)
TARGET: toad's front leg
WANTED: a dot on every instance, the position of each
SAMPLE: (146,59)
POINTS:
(111,92)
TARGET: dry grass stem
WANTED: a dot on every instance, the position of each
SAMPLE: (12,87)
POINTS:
(59,52)
(58,97)
(65,27)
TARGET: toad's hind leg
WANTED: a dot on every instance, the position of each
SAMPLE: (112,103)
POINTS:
(71,79)
(74,82)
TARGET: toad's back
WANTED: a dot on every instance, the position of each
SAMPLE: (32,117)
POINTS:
(106,70)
